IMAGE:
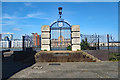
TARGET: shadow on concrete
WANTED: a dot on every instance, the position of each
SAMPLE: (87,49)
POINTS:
(16,62)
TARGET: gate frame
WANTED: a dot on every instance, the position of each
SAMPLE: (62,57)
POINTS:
(57,28)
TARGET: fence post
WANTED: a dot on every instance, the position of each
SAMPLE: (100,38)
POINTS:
(108,40)
(98,43)
(23,43)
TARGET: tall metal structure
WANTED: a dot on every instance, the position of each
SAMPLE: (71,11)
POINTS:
(60,33)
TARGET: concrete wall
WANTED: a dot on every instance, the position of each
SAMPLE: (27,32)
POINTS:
(64,56)
(45,42)
(24,56)
(75,31)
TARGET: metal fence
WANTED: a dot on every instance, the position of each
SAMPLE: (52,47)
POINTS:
(101,42)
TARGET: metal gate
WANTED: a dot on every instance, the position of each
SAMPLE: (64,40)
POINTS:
(60,35)
(60,31)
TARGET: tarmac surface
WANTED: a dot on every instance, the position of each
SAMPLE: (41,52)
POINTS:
(103,69)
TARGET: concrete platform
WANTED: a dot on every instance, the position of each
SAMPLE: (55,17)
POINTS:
(64,56)
(70,70)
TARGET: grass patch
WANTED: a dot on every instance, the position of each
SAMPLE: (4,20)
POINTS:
(114,57)
(69,48)
(45,49)
(78,50)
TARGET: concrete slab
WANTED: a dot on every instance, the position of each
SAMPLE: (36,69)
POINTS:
(45,28)
(75,28)
(75,34)
(70,70)
(76,47)
(76,41)
(45,41)
(45,35)
(45,47)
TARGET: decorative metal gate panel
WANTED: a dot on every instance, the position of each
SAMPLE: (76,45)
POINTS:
(60,34)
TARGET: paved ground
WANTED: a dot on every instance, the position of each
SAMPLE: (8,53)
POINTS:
(100,54)
(70,70)
(104,69)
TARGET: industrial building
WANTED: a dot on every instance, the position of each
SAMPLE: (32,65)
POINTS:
(36,40)
(56,42)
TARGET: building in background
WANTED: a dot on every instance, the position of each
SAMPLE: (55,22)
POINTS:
(9,42)
(6,38)
(36,40)
(0,37)
(104,44)
(63,43)
(4,44)
(16,43)
(11,37)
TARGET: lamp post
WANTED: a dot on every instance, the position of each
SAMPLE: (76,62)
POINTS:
(60,11)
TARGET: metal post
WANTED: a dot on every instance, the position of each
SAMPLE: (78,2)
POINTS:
(71,38)
(60,38)
(108,40)
(98,43)
(50,38)
(23,43)
(60,11)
